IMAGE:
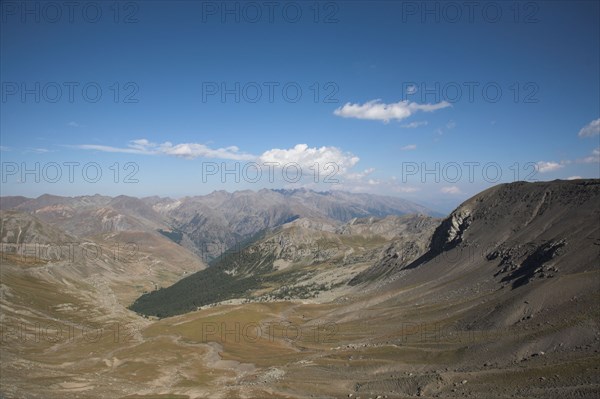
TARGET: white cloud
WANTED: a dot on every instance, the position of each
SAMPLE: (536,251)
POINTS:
(106,148)
(412,89)
(594,158)
(381,186)
(574,177)
(360,175)
(376,110)
(300,154)
(4,148)
(38,150)
(451,190)
(451,124)
(195,150)
(413,125)
(73,124)
(544,167)
(591,129)
(308,157)
(184,150)
(409,147)
(405,189)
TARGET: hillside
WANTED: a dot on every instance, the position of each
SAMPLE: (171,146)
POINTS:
(299,260)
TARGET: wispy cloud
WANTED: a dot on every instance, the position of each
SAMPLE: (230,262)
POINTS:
(38,150)
(551,166)
(377,110)
(384,186)
(409,147)
(412,89)
(591,129)
(574,177)
(594,158)
(195,150)
(4,148)
(405,189)
(360,175)
(73,124)
(106,148)
(329,160)
(413,125)
(183,150)
(450,190)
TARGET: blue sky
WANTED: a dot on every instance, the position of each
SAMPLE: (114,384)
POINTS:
(388,90)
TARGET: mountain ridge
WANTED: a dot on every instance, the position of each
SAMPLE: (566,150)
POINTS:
(209,225)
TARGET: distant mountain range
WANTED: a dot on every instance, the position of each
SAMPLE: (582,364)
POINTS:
(208,225)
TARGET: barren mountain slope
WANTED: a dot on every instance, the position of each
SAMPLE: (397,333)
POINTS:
(503,302)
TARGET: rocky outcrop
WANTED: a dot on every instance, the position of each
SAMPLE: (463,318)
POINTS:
(451,231)
(412,240)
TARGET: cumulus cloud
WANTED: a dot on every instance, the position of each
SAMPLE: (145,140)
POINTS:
(327,158)
(183,150)
(409,147)
(544,167)
(591,129)
(377,110)
(450,190)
